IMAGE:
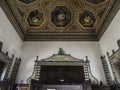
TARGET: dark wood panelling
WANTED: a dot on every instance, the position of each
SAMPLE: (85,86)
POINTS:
(69,74)
(100,87)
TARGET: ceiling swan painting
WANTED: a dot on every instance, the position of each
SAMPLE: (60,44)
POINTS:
(61,16)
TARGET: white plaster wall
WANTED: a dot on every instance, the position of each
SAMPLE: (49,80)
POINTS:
(110,37)
(45,49)
(11,40)
(108,42)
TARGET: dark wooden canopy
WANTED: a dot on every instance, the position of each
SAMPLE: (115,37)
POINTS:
(62,68)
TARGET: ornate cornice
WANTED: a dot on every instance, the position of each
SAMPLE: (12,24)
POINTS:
(64,37)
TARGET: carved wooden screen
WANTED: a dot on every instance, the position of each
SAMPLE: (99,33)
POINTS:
(63,60)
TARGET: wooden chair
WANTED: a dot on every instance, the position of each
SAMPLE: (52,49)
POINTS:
(23,87)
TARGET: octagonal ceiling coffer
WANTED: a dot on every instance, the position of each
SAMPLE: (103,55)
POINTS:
(95,2)
(61,16)
(27,1)
(87,20)
(35,18)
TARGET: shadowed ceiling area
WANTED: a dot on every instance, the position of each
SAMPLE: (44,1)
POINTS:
(60,20)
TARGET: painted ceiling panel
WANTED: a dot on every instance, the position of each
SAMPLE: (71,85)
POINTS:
(60,20)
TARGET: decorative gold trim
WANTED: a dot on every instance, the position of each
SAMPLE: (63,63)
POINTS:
(96,4)
(27,4)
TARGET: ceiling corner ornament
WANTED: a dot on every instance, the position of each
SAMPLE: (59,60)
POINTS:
(61,16)
(35,18)
(87,19)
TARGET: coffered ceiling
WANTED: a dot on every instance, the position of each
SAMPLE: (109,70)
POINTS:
(60,20)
